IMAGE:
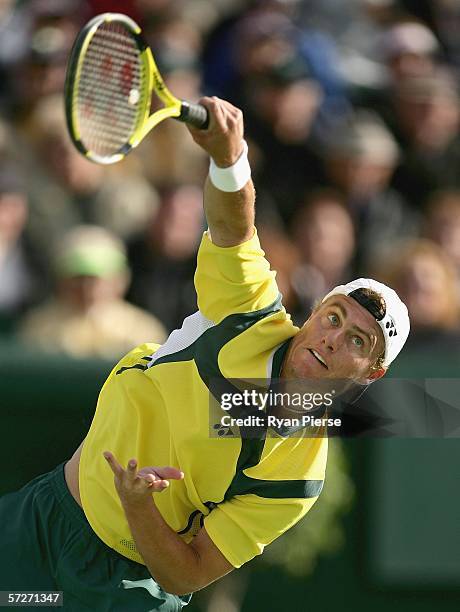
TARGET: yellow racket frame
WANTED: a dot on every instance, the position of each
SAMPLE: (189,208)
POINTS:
(152,83)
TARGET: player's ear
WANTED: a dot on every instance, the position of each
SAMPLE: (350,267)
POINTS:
(376,374)
(372,376)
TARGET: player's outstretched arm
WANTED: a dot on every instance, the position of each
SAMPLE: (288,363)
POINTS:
(230,215)
(178,567)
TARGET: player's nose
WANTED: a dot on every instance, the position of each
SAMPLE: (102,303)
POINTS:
(332,340)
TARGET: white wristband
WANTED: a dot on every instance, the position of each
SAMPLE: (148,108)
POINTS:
(234,177)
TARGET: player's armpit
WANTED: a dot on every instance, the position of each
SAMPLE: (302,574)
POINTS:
(212,563)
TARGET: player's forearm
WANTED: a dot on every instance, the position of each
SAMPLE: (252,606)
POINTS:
(230,215)
(229,200)
(174,564)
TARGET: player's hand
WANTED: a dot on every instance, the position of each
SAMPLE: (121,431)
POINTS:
(134,485)
(222,140)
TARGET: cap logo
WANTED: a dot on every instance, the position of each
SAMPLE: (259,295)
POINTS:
(390,326)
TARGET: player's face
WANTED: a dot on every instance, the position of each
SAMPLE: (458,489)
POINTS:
(340,340)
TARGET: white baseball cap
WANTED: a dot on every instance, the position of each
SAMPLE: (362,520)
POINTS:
(394,321)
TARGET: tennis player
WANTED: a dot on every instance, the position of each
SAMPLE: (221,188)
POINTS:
(151,508)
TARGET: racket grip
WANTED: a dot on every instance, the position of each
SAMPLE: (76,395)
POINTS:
(195,114)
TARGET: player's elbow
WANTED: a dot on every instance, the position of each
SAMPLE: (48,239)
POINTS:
(181,585)
(186,579)
(180,590)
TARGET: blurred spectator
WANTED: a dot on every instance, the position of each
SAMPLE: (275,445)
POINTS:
(360,158)
(66,189)
(153,10)
(266,35)
(447,24)
(12,151)
(317,257)
(339,18)
(121,6)
(6,8)
(443,16)
(8,46)
(258,31)
(355,26)
(169,155)
(427,114)
(163,260)
(87,316)
(285,97)
(421,9)
(405,49)
(271,30)
(281,101)
(409,49)
(35,51)
(291,66)
(20,275)
(426,280)
(324,236)
(284,258)
(442,225)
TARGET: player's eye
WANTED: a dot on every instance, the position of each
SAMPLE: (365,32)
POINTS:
(334,319)
(357,341)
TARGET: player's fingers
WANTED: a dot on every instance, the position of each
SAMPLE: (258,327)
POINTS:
(169,472)
(212,104)
(200,136)
(216,111)
(237,120)
(232,118)
(155,484)
(148,477)
(145,471)
(230,106)
(231,110)
(222,115)
(113,463)
(131,469)
(159,485)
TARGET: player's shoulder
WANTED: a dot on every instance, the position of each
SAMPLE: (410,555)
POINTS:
(139,355)
(145,349)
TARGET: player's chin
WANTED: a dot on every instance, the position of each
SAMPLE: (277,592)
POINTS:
(312,373)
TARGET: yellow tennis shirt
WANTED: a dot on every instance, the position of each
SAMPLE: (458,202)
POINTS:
(154,406)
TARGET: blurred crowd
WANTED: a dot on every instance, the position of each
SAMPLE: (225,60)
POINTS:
(352,118)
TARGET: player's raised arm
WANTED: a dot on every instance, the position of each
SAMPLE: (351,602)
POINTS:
(229,192)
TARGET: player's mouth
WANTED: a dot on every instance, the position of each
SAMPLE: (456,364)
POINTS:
(318,357)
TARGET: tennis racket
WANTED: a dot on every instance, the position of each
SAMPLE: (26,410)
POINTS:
(111,75)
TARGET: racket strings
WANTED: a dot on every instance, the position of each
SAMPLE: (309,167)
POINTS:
(110,99)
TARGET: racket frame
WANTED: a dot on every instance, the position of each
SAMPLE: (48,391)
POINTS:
(153,82)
